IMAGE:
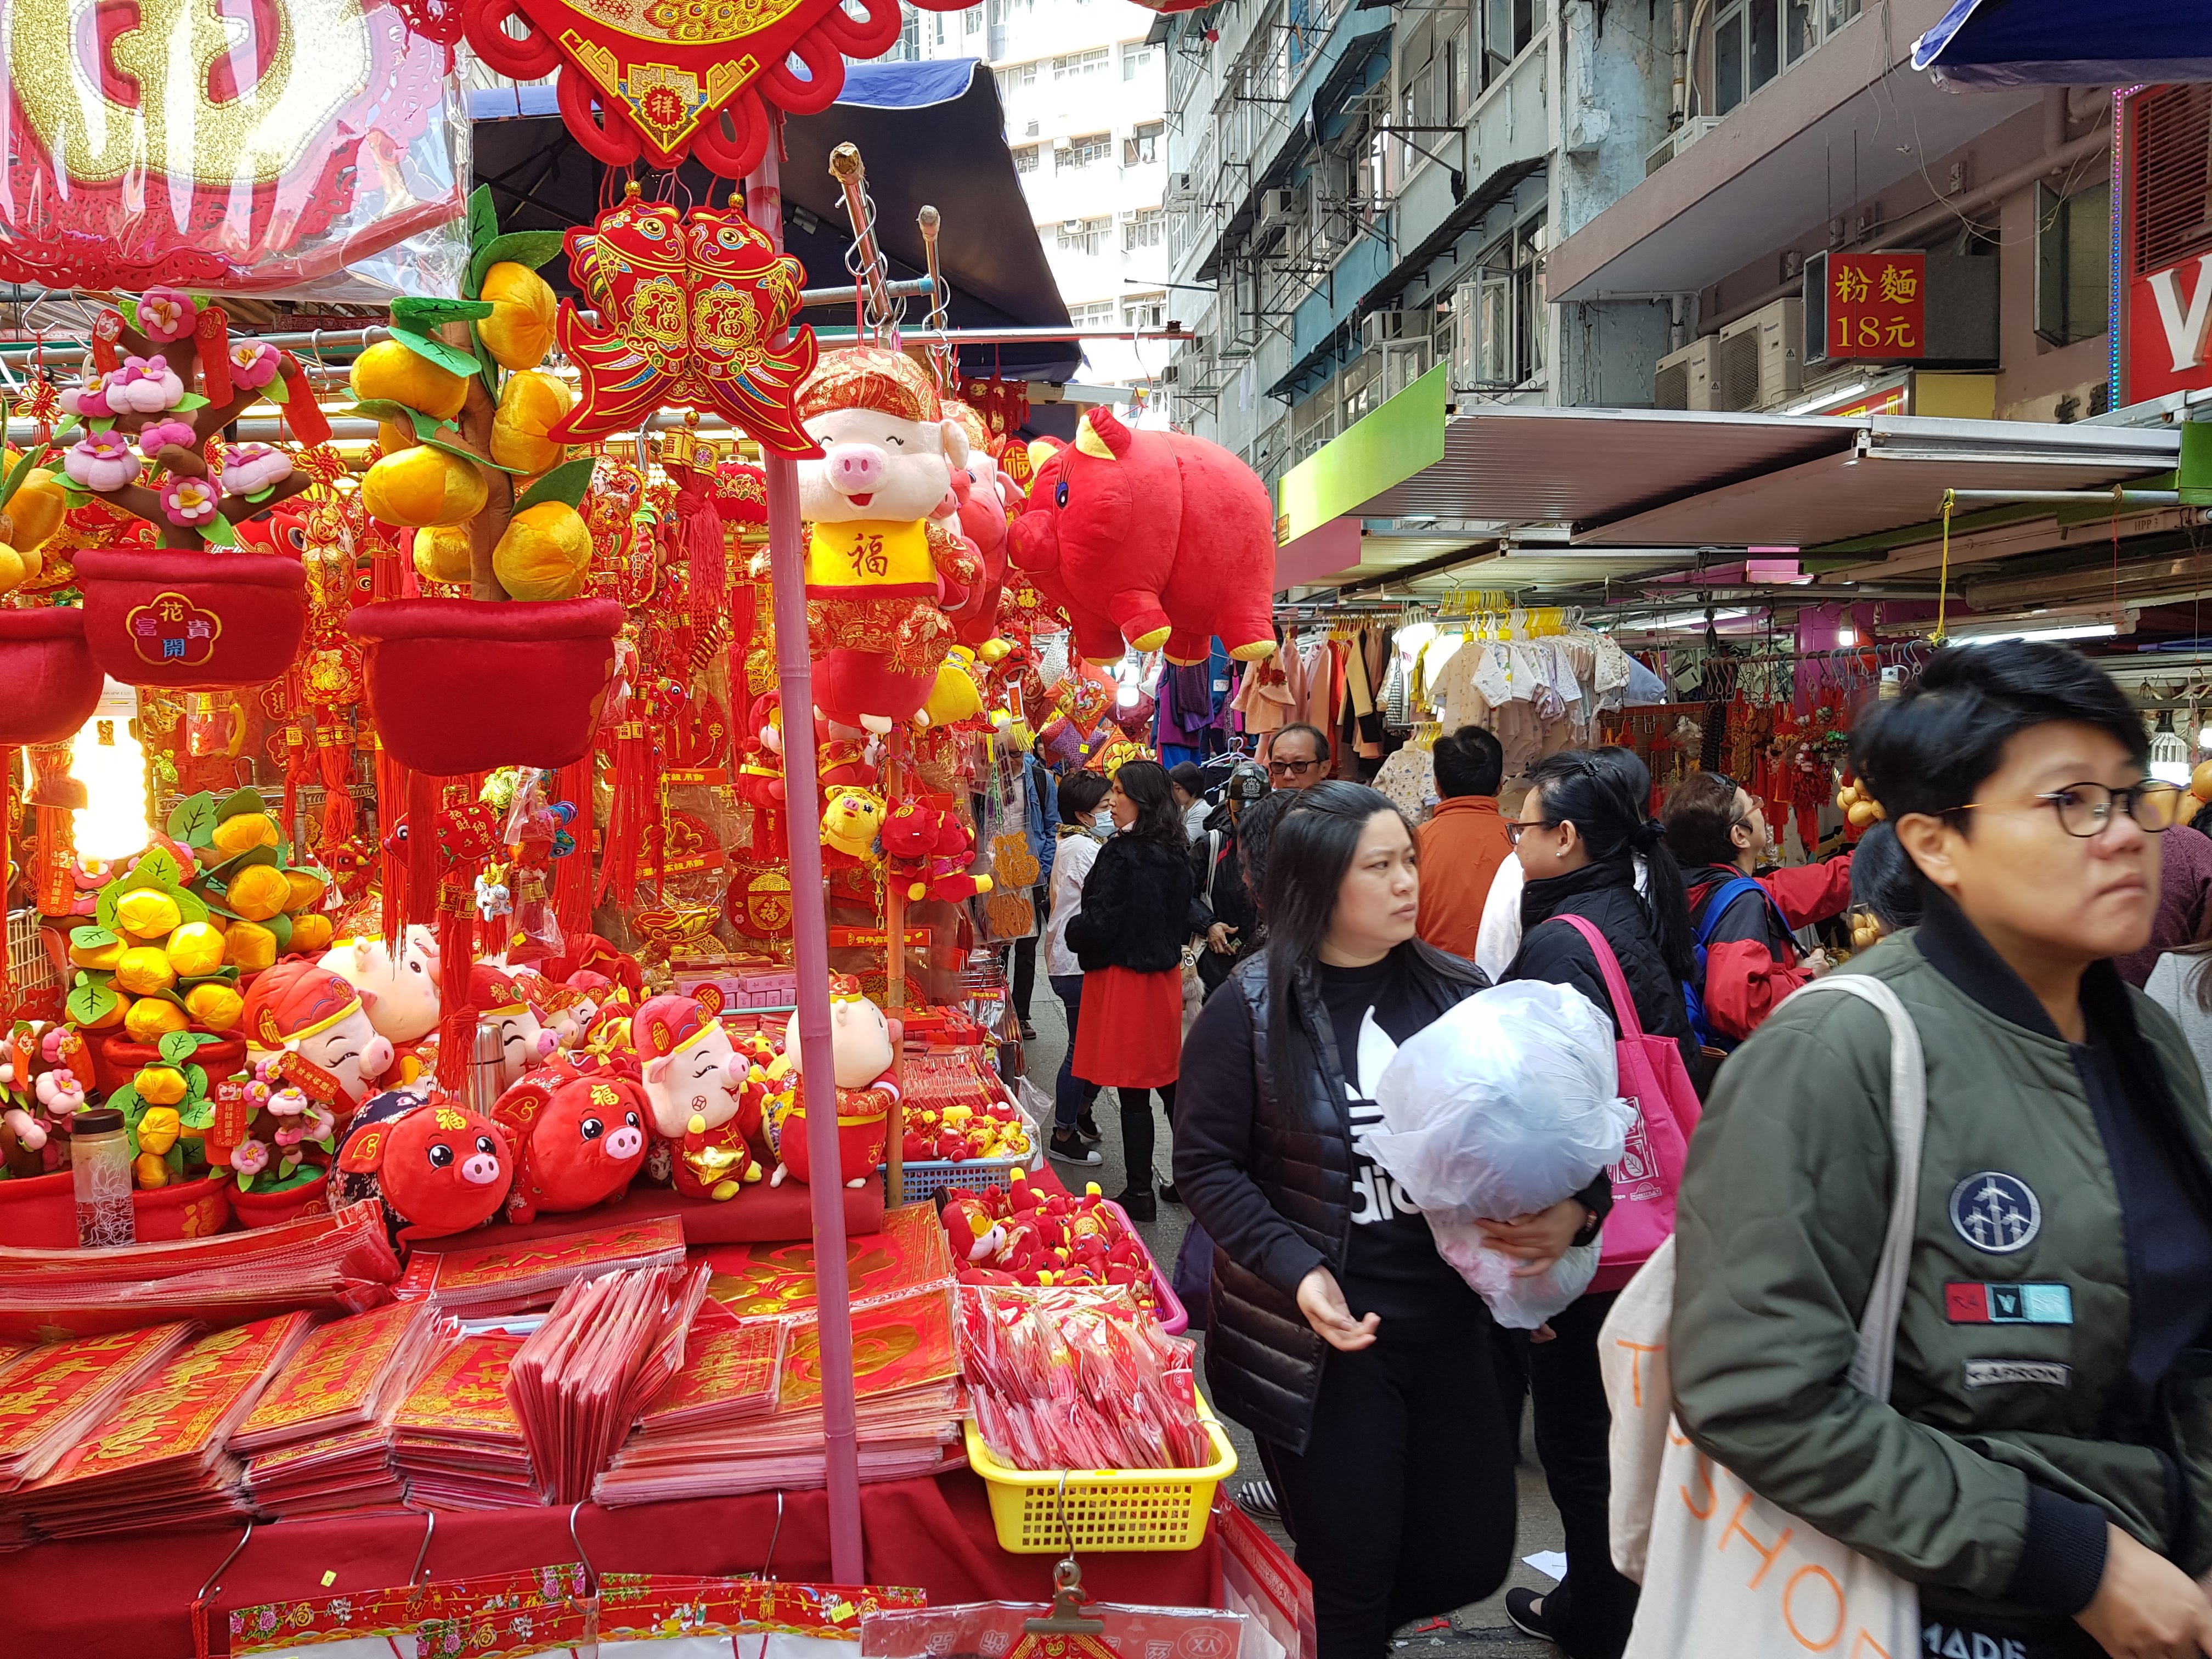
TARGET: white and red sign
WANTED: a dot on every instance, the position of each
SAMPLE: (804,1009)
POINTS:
(2169,319)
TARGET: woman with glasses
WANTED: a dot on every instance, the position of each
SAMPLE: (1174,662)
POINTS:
(2042,1467)
(1584,840)
(1743,922)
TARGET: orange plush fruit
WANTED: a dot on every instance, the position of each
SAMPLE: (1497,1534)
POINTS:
(389,371)
(442,553)
(546,553)
(520,330)
(529,406)
(423,486)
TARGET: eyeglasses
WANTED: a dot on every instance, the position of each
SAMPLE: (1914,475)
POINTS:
(1515,828)
(2086,809)
(1289,768)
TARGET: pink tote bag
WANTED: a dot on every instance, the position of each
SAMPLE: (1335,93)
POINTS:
(1653,1080)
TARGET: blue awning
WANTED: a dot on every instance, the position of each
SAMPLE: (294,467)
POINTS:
(1982,44)
(930,132)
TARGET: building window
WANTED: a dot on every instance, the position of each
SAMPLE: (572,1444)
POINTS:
(908,49)
(971,20)
(1509,323)
(1754,40)
(940,28)
(1142,228)
(1014,78)
(1137,59)
(1508,26)
(1145,311)
(1083,150)
(2073,263)
(1084,235)
(1142,147)
(1098,313)
(1025,158)
(1077,64)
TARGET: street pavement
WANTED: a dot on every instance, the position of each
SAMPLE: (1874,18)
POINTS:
(1481,1630)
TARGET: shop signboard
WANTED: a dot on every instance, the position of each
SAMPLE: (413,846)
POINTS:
(1877,305)
(2169,315)
(2163,293)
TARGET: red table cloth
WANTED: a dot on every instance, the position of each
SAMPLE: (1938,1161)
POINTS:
(130,1596)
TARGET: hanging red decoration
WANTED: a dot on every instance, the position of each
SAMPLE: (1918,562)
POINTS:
(687,308)
(52,683)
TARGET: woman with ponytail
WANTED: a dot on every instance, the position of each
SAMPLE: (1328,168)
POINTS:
(1589,848)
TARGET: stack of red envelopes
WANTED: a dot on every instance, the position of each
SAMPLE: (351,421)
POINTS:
(341,1263)
(609,1346)
(320,1440)
(457,1440)
(518,1275)
(350,1471)
(158,1459)
(52,1396)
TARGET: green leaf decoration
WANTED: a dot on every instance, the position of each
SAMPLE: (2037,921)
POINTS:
(484,217)
(226,975)
(262,495)
(487,367)
(427,314)
(91,1002)
(452,358)
(381,408)
(175,1157)
(426,425)
(437,441)
(129,306)
(105,423)
(125,1100)
(192,820)
(31,458)
(522,247)
(156,869)
(92,939)
(64,433)
(328,1143)
(191,400)
(178,1046)
(281,924)
(567,482)
(219,532)
(196,1113)
(277,392)
(244,1182)
(248,799)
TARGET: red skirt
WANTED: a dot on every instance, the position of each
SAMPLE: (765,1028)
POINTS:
(1131,1032)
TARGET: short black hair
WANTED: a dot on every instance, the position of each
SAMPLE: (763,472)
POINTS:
(1932,750)
(1322,751)
(1188,778)
(1884,881)
(1469,761)
(1079,795)
(1700,816)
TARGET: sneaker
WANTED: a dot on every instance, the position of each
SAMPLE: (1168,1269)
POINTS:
(1257,1497)
(1141,1205)
(1087,1126)
(1526,1609)
(1029,1032)
(1067,1147)
(1168,1194)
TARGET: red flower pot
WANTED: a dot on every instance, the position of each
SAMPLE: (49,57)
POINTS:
(465,685)
(116,1057)
(273,1209)
(52,682)
(188,1209)
(192,622)
(40,1213)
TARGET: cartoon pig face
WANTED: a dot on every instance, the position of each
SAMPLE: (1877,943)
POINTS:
(860,1038)
(589,1140)
(405,988)
(518,1047)
(443,1168)
(878,466)
(706,1080)
(352,1051)
(1079,506)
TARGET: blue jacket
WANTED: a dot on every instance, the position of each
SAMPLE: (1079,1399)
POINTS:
(1043,826)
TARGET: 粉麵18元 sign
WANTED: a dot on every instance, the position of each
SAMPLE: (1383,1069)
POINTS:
(1877,305)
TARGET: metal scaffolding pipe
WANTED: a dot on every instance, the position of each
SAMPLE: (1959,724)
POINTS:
(2136,497)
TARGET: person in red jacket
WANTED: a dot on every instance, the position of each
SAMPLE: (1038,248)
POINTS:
(1718,834)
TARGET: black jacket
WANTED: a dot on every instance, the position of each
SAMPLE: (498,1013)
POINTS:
(1270,1180)
(1140,908)
(1605,893)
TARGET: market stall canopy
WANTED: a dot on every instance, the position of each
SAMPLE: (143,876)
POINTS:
(930,132)
(2012,43)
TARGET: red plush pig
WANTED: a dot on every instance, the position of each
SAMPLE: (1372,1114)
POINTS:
(439,1168)
(1158,537)
(581,1135)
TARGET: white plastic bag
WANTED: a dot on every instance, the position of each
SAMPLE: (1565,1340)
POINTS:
(1502,1107)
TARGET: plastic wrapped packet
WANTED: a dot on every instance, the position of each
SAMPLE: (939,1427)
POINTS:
(1502,1107)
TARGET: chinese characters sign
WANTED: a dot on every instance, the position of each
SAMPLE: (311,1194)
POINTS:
(173,629)
(1877,305)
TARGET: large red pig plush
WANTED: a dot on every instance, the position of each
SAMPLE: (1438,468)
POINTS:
(439,1168)
(1161,538)
(581,1133)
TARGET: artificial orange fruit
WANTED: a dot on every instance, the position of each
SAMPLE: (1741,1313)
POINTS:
(529,406)
(389,370)
(520,330)
(442,553)
(423,486)
(546,553)
(258,891)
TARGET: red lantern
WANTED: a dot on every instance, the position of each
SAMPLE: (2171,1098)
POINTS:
(465,685)
(53,685)
(189,621)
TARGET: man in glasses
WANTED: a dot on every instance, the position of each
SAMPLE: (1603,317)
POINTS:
(1298,757)
(2028,1465)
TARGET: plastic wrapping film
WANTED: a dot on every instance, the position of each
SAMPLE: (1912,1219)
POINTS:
(1505,1106)
(277,148)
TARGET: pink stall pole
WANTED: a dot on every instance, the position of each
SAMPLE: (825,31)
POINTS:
(810,938)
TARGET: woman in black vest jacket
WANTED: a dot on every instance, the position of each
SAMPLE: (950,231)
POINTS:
(1339,1336)
(1139,910)
(1581,835)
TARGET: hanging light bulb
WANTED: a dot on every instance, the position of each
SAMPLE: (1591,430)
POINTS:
(108,761)
(1846,637)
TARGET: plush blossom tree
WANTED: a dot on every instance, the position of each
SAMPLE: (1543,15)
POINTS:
(166,378)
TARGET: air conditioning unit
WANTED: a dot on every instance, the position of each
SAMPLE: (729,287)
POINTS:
(1684,378)
(1180,188)
(1030,132)
(1678,141)
(1071,226)
(1758,361)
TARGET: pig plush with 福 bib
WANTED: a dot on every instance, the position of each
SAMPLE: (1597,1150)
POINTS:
(864,1047)
(706,1103)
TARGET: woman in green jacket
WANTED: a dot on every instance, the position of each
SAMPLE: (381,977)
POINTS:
(2042,1469)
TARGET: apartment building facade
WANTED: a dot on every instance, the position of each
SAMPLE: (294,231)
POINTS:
(1085,94)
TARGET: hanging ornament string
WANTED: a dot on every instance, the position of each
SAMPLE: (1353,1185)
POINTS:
(1943,579)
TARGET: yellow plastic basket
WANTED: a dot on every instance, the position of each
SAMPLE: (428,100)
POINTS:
(1096,1511)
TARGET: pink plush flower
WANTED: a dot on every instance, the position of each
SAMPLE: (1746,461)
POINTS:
(101,462)
(287,1103)
(144,386)
(249,1157)
(158,435)
(249,469)
(290,1135)
(166,314)
(320,1123)
(88,400)
(188,501)
(252,364)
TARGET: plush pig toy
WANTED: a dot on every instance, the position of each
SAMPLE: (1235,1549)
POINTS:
(1160,539)
(404,989)
(580,1136)
(879,566)
(498,999)
(320,1019)
(439,1168)
(865,1046)
(697,1085)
